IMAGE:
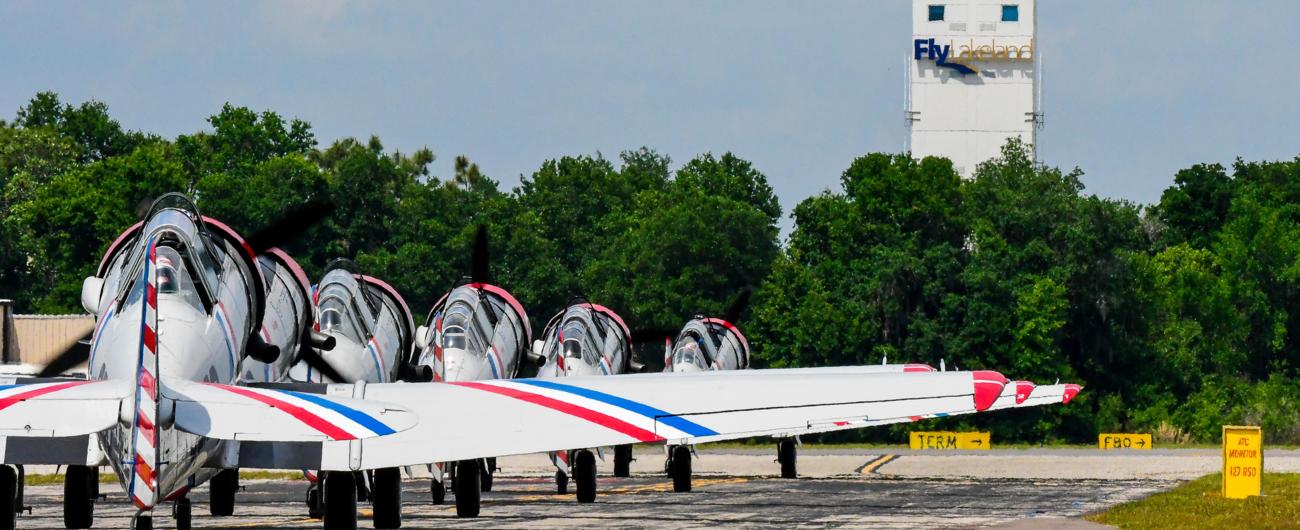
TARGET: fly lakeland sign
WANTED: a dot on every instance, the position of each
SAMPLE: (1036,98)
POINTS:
(960,56)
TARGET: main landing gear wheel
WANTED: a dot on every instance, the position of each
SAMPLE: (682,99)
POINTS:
(8,498)
(561,482)
(80,485)
(386,498)
(584,475)
(787,454)
(222,488)
(142,521)
(183,514)
(313,500)
(485,473)
(438,491)
(623,460)
(680,468)
(468,489)
(339,490)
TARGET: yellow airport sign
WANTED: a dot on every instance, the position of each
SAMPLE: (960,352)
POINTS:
(948,440)
(1243,461)
(1111,440)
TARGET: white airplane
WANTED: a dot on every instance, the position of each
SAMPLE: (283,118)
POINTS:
(163,404)
(585,339)
(476,332)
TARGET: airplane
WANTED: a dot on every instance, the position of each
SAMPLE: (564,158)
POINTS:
(585,339)
(477,331)
(162,404)
(370,326)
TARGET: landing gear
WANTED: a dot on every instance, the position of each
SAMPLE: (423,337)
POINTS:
(485,473)
(80,489)
(222,487)
(787,454)
(584,475)
(386,498)
(468,489)
(623,460)
(339,490)
(679,468)
(438,491)
(142,521)
(183,514)
(561,482)
(8,498)
(313,501)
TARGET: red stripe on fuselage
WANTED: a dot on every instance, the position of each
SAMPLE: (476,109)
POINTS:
(604,420)
(299,413)
(24,396)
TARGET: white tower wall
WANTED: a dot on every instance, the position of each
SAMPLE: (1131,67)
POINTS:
(975,85)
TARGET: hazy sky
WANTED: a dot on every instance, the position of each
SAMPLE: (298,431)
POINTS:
(1133,91)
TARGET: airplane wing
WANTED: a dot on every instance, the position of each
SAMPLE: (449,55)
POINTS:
(242,413)
(460,421)
(60,408)
(1016,394)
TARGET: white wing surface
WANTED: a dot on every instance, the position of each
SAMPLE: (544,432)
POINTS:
(60,408)
(460,421)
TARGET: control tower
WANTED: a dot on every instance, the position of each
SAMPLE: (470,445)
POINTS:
(973,79)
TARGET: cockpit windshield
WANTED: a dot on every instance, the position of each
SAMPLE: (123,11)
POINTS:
(336,318)
(578,342)
(186,266)
(457,333)
(689,351)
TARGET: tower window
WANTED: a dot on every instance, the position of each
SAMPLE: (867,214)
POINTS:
(936,12)
(1011,13)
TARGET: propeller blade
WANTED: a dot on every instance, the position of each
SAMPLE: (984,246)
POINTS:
(291,226)
(319,364)
(478,260)
(76,354)
(738,306)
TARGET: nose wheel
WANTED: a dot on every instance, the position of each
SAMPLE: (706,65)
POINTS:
(386,498)
(222,488)
(679,468)
(339,489)
(623,460)
(183,515)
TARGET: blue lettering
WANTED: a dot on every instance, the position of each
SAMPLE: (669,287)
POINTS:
(944,51)
(919,47)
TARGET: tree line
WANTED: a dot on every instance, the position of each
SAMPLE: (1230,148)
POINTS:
(1176,316)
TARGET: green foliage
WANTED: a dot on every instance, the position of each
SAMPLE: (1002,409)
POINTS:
(1176,319)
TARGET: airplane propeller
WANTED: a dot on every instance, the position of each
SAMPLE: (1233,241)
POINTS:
(738,305)
(74,355)
(479,270)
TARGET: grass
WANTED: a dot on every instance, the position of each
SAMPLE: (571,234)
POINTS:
(1197,504)
(50,479)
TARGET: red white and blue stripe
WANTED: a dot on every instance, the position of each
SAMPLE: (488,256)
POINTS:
(143,486)
(330,418)
(640,421)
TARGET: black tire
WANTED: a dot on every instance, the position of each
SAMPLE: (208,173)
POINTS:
(142,522)
(386,498)
(438,492)
(468,492)
(184,515)
(584,475)
(8,494)
(313,501)
(222,488)
(788,455)
(561,482)
(623,460)
(79,485)
(339,491)
(485,474)
(681,468)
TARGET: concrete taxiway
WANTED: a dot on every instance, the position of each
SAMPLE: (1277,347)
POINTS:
(737,487)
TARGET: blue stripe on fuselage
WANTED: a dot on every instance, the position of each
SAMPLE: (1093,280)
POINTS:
(676,422)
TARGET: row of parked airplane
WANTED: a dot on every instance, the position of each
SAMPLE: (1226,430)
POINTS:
(213,352)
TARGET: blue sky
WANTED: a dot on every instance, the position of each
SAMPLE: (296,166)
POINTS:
(1133,91)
